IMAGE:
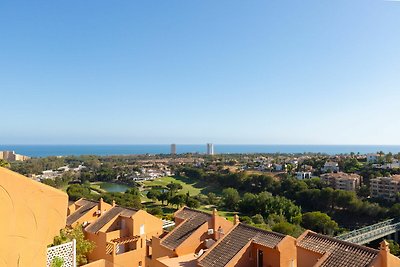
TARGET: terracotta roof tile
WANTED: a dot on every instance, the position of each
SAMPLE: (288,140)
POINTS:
(234,241)
(339,253)
(86,206)
(193,220)
(107,217)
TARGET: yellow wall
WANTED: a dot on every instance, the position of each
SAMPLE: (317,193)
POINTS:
(31,215)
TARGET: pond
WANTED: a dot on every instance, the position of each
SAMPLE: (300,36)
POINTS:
(113,187)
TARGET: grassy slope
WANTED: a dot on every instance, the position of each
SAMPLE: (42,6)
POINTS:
(192,186)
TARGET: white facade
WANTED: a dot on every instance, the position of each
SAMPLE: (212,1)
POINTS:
(330,166)
(372,157)
(303,175)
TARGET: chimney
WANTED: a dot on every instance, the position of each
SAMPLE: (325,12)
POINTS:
(236,219)
(113,203)
(384,253)
(214,223)
(101,204)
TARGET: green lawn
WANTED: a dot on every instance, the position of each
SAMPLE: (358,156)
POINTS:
(192,186)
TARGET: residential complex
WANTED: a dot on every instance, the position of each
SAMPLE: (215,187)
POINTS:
(120,233)
(12,156)
(33,214)
(342,181)
(385,187)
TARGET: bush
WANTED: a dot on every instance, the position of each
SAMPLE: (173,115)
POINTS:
(156,211)
(257,219)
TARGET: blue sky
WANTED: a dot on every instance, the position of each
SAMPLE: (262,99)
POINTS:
(245,72)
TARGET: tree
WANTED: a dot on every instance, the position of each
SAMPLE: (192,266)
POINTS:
(178,200)
(248,203)
(212,198)
(287,228)
(77,191)
(83,246)
(153,194)
(192,202)
(319,222)
(257,219)
(230,198)
(4,163)
(156,211)
(163,197)
(394,247)
(363,191)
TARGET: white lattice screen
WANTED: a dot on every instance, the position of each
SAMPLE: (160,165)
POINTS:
(66,251)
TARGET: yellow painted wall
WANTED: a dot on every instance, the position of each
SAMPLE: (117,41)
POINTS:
(31,215)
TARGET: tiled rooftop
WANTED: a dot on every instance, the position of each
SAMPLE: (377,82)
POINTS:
(108,216)
(193,220)
(86,205)
(231,244)
(339,253)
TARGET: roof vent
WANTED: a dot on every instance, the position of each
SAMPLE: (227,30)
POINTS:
(98,212)
(210,231)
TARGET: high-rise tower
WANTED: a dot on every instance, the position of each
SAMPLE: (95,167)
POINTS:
(210,149)
(173,149)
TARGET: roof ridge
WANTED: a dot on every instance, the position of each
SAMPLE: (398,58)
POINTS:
(343,243)
(261,230)
(198,211)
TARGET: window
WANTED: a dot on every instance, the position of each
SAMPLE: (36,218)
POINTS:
(141,230)
(140,263)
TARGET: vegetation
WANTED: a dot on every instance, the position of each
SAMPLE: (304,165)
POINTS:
(57,262)
(83,246)
(131,198)
(4,163)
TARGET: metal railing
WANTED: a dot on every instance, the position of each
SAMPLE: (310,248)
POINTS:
(372,232)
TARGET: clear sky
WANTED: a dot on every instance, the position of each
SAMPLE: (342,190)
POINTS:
(233,72)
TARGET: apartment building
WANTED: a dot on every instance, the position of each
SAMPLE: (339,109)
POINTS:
(316,250)
(342,181)
(195,232)
(192,244)
(330,166)
(12,156)
(303,175)
(385,187)
(120,233)
(245,245)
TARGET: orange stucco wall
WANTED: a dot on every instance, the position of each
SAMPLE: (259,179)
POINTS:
(193,242)
(31,215)
(307,258)
(288,251)
(135,251)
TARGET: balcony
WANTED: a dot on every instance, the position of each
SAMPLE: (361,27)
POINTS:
(121,245)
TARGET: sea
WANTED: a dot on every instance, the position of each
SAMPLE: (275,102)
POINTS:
(107,150)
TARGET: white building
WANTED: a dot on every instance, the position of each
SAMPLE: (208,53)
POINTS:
(210,149)
(373,157)
(303,175)
(330,166)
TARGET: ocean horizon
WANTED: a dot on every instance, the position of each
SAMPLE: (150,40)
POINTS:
(108,150)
